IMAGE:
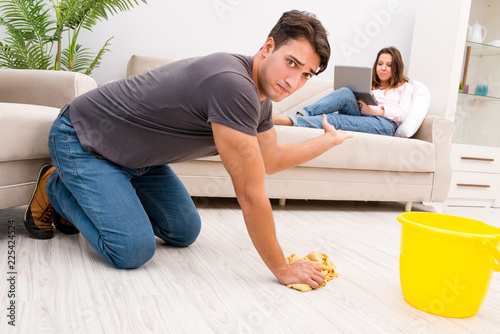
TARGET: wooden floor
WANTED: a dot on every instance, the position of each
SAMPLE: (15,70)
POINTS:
(220,285)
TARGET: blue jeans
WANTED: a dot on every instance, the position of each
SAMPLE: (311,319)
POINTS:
(348,118)
(118,210)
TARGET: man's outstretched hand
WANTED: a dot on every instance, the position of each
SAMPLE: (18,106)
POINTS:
(338,135)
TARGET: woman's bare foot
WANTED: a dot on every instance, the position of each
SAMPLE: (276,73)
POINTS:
(282,120)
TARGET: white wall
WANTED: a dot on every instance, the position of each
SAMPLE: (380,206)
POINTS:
(178,29)
(436,54)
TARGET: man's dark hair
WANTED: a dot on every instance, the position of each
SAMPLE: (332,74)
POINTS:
(294,25)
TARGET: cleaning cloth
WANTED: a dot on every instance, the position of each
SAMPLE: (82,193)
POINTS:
(322,260)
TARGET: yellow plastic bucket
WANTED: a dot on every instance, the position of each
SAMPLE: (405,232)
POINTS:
(447,262)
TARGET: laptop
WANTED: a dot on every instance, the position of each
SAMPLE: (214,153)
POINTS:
(357,79)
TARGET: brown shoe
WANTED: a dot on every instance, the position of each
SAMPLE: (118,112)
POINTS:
(40,213)
(64,225)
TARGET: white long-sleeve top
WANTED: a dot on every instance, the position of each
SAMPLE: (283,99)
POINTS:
(395,102)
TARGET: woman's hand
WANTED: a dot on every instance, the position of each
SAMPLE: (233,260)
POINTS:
(369,110)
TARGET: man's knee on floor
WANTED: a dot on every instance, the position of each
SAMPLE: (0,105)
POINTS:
(187,239)
(133,252)
(182,238)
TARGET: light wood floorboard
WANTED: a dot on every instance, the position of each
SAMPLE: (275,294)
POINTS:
(220,285)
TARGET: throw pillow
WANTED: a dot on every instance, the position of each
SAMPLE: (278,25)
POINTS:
(420,102)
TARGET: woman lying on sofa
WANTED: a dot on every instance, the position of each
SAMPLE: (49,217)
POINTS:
(390,87)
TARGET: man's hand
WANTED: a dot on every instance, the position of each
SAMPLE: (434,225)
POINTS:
(302,272)
(280,157)
(338,135)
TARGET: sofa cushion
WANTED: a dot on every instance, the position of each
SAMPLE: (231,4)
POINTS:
(25,130)
(367,151)
(421,100)
(364,151)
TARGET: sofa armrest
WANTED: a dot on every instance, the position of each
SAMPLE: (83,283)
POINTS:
(43,87)
(24,129)
(438,131)
(434,128)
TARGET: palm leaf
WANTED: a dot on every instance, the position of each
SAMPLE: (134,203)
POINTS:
(83,60)
(86,13)
(27,15)
(97,60)
(32,32)
(23,52)
(28,27)
(78,61)
(9,58)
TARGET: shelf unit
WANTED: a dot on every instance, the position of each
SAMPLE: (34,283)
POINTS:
(475,153)
(474,96)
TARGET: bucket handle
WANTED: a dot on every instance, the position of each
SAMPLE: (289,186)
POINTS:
(494,251)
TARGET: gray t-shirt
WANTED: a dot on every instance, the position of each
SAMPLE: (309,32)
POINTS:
(163,116)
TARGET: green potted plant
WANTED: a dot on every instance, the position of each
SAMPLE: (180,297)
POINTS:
(35,31)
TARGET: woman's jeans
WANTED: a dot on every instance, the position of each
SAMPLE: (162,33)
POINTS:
(118,210)
(348,118)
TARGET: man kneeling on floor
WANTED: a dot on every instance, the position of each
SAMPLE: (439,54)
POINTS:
(111,148)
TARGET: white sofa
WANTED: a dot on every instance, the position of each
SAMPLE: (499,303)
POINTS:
(365,168)
(29,102)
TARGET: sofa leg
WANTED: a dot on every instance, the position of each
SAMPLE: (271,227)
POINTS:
(282,201)
(437,207)
(408,206)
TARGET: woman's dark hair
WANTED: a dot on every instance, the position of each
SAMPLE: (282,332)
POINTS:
(397,67)
(295,25)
